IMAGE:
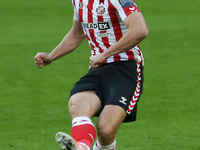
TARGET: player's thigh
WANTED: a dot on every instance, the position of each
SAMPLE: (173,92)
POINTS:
(85,103)
(110,119)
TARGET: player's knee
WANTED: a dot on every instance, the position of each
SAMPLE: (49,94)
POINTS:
(106,131)
(80,105)
(74,105)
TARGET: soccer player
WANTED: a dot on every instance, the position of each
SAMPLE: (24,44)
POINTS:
(112,87)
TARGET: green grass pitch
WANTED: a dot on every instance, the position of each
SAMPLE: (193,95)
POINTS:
(33,102)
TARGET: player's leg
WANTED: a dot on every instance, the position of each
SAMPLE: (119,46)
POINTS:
(82,106)
(85,103)
(109,121)
(122,88)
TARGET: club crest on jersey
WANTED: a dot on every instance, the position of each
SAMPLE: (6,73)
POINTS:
(81,5)
(126,3)
(100,9)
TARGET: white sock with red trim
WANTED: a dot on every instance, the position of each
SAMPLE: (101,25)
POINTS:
(83,130)
(98,146)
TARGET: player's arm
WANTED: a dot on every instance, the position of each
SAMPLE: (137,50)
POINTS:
(69,43)
(137,31)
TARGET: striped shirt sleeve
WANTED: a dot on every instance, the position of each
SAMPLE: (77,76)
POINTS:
(125,7)
(76,16)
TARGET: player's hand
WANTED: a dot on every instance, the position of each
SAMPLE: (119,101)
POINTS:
(97,60)
(42,59)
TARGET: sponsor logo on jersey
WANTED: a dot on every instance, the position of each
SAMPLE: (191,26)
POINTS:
(103,26)
(106,34)
(99,25)
(101,9)
(126,3)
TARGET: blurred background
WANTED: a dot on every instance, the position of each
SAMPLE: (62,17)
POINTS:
(33,102)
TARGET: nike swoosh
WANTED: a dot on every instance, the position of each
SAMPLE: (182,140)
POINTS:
(91,136)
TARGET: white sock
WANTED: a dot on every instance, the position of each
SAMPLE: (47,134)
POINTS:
(81,120)
(98,146)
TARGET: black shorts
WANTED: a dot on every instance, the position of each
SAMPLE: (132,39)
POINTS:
(118,83)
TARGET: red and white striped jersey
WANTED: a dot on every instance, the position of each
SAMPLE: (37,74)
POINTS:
(102,22)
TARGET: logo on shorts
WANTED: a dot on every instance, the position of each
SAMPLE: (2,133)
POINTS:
(123,100)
